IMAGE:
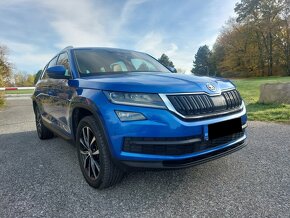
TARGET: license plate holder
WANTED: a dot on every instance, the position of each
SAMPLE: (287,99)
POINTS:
(225,128)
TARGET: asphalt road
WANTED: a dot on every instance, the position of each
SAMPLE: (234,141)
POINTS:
(42,178)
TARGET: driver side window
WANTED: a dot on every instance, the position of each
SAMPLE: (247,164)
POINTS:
(63,60)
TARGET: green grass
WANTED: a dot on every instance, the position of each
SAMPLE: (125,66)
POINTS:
(250,91)
(2,101)
(28,91)
(2,93)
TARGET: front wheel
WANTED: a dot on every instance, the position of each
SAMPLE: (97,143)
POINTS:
(94,156)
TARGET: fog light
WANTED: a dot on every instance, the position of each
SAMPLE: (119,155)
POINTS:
(130,116)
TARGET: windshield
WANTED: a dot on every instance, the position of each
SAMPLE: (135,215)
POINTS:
(92,62)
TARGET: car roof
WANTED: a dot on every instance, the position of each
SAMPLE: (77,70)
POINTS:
(98,48)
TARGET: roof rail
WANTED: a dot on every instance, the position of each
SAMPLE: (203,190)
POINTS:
(67,48)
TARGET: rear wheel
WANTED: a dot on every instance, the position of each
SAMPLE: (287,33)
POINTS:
(94,156)
(42,131)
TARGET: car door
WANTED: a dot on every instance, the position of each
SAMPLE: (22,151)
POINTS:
(63,95)
(45,93)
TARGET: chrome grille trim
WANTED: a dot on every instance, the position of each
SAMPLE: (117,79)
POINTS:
(229,101)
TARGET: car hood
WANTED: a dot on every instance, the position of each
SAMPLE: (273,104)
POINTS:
(154,83)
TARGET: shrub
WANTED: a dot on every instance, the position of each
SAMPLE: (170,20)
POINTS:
(2,100)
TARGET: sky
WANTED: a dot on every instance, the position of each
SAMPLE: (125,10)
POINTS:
(35,30)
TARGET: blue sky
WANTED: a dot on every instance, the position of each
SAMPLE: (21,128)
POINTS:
(35,30)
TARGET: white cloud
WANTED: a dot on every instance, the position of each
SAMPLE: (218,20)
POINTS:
(97,23)
(151,43)
(155,44)
(127,10)
(88,23)
(79,23)
(26,55)
(12,2)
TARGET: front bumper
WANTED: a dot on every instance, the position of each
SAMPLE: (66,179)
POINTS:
(163,125)
(188,162)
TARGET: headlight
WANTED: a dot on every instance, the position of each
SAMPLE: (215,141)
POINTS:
(136,99)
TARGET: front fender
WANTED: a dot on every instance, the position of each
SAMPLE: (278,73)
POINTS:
(88,100)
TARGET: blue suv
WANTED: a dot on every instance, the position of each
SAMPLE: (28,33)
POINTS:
(123,110)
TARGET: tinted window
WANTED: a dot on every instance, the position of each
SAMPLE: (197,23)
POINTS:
(92,62)
(63,60)
(142,65)
(119,66)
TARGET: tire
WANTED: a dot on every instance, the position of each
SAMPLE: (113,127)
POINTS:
(94,156)
(42,131)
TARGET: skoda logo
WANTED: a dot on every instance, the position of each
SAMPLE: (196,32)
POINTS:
(210,87)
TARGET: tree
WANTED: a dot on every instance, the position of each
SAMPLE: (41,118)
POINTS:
(29,80)
(5,67)
(37,75)
(257,43)
(264,16)
(202,64)
(217,56)
(23,79)
(234,53)
(285,34)
(5,71)
(164,59)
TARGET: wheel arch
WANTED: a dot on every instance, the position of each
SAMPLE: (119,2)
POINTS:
(83,108)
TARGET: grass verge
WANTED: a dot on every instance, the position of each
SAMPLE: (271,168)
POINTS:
(28,91)
(3,93)
(250,91)
(2,100)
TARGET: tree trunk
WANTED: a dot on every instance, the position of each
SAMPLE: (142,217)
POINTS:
(261,64)
(288,59)
(270,55)
(287,53)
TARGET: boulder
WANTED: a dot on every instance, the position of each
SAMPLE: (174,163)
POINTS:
(275,93)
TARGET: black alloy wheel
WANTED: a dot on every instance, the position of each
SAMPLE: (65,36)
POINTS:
(89,152)
(94,155)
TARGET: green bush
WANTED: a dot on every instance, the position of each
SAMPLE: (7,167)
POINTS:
(2,100)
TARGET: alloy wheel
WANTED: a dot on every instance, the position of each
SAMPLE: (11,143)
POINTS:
(89,152)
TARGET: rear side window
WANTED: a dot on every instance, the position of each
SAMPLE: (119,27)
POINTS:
(63,60)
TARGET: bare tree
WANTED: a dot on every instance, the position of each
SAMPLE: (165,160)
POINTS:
(5,66)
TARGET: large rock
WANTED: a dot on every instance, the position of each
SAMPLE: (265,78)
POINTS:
(275,93)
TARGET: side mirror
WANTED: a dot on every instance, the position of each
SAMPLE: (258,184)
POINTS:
(172,69)
(57,72)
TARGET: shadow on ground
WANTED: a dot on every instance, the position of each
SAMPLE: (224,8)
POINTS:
(36,173)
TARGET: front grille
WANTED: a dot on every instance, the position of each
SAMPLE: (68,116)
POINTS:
(174,146)
(203,104)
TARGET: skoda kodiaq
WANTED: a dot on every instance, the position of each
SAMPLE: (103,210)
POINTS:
(123,109)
